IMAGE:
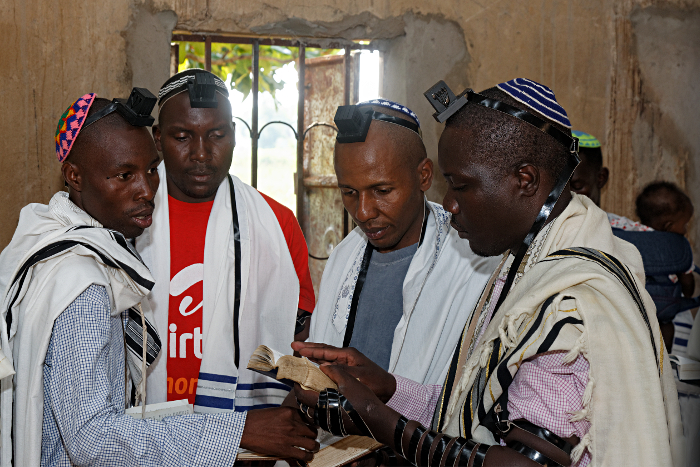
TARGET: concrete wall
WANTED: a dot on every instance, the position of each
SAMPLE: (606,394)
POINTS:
(623,69)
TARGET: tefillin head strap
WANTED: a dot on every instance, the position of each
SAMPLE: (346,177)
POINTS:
(353,122)
(136,109)
(446,104)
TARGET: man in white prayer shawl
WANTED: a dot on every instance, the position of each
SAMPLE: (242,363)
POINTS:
(401,284)
(562,362)
(75,325)
(231,266)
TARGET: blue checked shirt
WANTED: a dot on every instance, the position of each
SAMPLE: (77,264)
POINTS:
(84,421)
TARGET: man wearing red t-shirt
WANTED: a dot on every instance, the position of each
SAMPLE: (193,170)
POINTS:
(231,268)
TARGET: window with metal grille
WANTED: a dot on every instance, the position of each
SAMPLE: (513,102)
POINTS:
(297,170)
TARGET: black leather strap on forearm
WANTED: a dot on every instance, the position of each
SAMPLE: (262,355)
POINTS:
(545,434)
(466,452)
(320,413)
(438,451)
(355,417)
(425,448)
(335,418)
(454,452)
(398,435)
(532,454)
(413,445)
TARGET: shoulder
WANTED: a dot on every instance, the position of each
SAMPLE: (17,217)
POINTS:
(283,213)
(92,305)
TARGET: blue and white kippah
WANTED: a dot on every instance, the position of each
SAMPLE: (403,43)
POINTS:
(538,97)
(392,105)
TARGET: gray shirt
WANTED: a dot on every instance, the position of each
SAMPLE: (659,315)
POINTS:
(381,304)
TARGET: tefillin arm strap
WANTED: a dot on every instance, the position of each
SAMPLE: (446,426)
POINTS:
(446,104)
(525,442)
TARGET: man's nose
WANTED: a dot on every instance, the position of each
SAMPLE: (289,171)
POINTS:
(365,208)
(147,187)
(200,150)
(449,203)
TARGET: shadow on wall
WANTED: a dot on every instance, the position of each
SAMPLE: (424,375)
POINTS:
(665,139)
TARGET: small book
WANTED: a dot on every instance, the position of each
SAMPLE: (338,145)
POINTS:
(686,369)
(289,369)
(335,450)
(163,409)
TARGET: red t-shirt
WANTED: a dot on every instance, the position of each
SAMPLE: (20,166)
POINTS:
(188,228)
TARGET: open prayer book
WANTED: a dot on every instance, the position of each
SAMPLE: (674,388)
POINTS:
(335,451)
(289,369)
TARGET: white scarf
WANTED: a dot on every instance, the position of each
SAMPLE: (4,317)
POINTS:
(442,284)
(48,288)
(630,400)
(268,302)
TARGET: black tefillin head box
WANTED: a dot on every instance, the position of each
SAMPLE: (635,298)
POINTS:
(444,101)
(202,91)
(138,107)
(352,123)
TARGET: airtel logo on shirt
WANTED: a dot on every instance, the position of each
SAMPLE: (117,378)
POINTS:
(182,281)
(186,342)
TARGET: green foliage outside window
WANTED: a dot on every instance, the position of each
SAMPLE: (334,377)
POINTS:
(236,60)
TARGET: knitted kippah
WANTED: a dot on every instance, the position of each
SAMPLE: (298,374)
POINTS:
(392,105)
(538,97)
(585,140)
(70,124)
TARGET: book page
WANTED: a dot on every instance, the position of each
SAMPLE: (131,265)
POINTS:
(276,356)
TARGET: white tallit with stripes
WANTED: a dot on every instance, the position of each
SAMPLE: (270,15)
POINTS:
(442,284)
(583,295)
(57,252)
(268,302)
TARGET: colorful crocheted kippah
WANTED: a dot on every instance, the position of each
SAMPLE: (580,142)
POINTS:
(392,105)
(585,140)
(70,123)
(538,97)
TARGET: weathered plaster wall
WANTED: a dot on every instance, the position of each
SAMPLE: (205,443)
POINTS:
(623,69)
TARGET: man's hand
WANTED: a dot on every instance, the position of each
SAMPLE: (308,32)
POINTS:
(382,383)
(280,432)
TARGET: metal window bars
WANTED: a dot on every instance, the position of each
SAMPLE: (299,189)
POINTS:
(300,132)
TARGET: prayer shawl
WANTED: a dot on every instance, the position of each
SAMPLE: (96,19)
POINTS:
(585,295)
(57,252)
(269,296)
(442,285)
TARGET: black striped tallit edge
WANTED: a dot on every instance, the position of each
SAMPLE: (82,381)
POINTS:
(53,249)
(133,333)
(616,268)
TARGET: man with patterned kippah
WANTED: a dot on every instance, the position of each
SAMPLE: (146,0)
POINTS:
(231,270)
(75,323)
(398,287)
(562,361)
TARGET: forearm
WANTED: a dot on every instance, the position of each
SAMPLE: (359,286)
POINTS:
(114,439)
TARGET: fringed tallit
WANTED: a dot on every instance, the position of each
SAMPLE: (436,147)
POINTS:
(585,295)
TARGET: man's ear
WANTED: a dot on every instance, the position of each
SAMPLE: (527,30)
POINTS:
(603,175)
(528,179)
(72,175)
(425,169)
(156,136)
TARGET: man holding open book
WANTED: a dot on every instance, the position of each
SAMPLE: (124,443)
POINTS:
(562,361)
(400,285)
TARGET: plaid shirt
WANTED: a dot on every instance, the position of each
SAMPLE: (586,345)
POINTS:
(84,389)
